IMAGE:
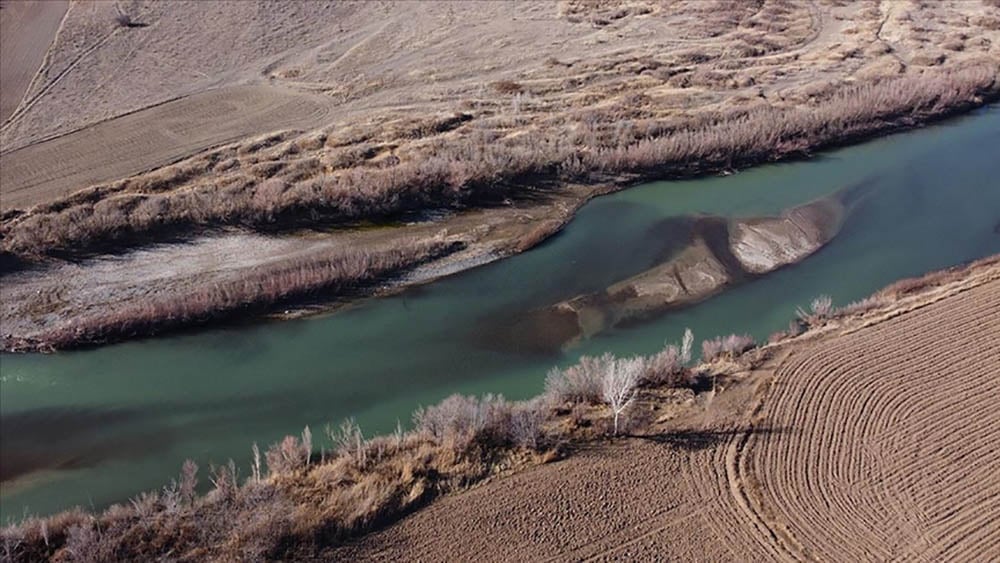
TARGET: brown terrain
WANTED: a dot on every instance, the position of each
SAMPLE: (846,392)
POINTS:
(149,123)
(27,28)
(862,434)
(871,439)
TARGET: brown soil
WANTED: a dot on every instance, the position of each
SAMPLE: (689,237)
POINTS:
(27,28)
(870,439)
(151,138)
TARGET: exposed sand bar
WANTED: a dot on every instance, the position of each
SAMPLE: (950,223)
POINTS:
(149,139)
(27,28)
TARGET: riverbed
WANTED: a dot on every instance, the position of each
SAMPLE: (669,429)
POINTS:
(120,419)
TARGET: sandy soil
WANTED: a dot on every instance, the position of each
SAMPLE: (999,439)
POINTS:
(871,439)
(41,300)
(151,138)
(389,65)
(27,28)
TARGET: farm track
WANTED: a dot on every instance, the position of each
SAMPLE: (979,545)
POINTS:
(875,440)
(150,138)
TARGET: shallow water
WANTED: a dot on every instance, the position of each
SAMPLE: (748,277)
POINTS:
(122,419)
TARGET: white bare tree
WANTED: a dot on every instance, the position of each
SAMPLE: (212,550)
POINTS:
(686,344)
(619,383)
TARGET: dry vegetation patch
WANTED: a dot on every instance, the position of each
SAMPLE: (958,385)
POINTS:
(736,442)
(652,90)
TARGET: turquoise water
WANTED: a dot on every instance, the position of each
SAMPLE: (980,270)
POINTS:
(122,419)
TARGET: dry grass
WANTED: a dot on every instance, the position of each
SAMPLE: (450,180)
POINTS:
(304,502)
(479,166)
(335,273)
(307,501)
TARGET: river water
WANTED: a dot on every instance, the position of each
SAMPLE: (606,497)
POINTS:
(121,419)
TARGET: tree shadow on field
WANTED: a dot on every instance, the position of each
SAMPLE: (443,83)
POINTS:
(696,440)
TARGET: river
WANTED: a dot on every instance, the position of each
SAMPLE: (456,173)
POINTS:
(121,419)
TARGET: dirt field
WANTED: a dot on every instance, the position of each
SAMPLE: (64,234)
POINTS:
(871,440)
(27,28)
(151,138)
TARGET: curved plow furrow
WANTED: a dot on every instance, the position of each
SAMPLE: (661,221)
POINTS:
(889,449)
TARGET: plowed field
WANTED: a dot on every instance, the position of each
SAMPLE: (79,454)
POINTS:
(873,441)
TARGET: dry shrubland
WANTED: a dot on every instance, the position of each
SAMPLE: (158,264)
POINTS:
(476,165)
(338,272)
(301,500)
(304,500)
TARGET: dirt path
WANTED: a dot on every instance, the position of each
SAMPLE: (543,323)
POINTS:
(874,441)
(149,139)
(27,28)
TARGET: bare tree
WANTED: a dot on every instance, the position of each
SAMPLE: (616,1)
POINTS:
(189,480)
(619,384)
(686,343)
(255,468)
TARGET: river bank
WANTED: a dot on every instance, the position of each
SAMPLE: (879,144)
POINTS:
(199,394)
(520,222)
(302,509)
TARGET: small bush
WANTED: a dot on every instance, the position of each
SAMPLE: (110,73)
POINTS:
(462,422)
(728,346)
(507,87)
(289,454)
(581,383)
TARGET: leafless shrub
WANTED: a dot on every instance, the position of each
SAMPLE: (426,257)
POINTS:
(123,20)
(663,366)
(188,482)
(861,306)
(464,421)
(711,349)
(668,366)
(526,424)
(145,505)
(225,482)
(730,346)
(349,441)
(289,454)
(170,497)
(819,309)
(83,544)
(581,383)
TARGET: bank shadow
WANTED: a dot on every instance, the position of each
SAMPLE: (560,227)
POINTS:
(696,440)
(72,438)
